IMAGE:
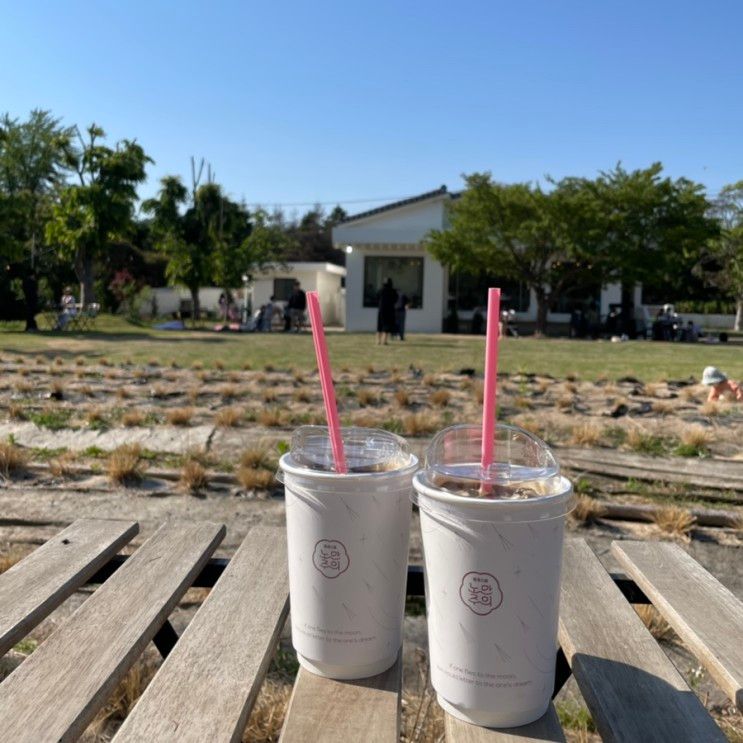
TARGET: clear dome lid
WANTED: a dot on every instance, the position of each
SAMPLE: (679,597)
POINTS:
(366,449)
(523,465)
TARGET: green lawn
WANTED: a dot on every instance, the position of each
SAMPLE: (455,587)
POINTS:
(118,341)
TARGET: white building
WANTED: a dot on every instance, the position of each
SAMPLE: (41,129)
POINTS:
(276,281)
(388,242)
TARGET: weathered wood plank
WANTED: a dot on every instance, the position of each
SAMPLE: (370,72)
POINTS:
(208,684)
(38,584)
(714,473)
(705,614)
(350,711)
(631,688)
(546,728)
(57,690)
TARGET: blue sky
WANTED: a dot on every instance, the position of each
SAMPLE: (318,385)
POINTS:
(342,101)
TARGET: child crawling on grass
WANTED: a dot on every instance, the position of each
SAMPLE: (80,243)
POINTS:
(720,385)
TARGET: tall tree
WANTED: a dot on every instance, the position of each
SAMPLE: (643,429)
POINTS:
(34,158)
(653,227)
(521,232)
(99,209)
(312,235)
(722,261)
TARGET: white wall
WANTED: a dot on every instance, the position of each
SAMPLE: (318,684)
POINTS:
(169,298)
(427,319)
(407,225)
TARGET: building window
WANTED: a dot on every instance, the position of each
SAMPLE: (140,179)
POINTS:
(470,290)
(406,274)
(282,289)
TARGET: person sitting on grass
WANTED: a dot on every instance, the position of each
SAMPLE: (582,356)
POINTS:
(720,385)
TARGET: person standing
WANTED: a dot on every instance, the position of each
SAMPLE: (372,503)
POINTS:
(386,313)
(401,311)
(297,305)
(268,312)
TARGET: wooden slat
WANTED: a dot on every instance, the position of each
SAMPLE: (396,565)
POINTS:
(326,710)
(57,690)
(705,614)
(633,691)
(546,728)
(38,584)
(208,684)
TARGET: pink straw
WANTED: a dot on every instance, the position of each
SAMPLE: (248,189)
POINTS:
(490,392)
(326,382)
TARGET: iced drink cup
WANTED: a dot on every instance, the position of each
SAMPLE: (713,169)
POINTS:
(492,546)
(347,538)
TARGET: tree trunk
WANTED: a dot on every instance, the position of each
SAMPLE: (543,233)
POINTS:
(195,305)
(542,310)
(739,314)
(31,295)
(84,272)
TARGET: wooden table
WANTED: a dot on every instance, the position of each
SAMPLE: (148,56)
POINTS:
(208,683)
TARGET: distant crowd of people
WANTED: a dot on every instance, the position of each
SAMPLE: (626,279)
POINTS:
(293,312)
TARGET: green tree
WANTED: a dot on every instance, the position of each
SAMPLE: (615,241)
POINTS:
(34,159)
(722,260)
(99,210)
(653,228)
(524,233)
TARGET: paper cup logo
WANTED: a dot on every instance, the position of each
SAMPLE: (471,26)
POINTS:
(331,558)
(481,592)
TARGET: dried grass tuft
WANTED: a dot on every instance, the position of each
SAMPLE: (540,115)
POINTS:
(13,459)
(440,398)
(122,393)
(229,417)
(711,409)
(22,387)
(271,417)
(267,718)
(269,395)
(257,458)
(420,424)
(366,397)
(586,434)
(193,477)
(228,391)
(179,416)
(657,626)
(254,479)
(587,510)
(10,558)
(133,418)
(63,465)
(124,465)
(565,402)
(697,437)
(302,395)
(674,520)
(402,398)
(16,411)
(663,407)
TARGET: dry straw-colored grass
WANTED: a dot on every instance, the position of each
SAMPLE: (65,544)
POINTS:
(257,458)
(366,397)
(13,459)
(22,387)
(14,555)
(122,701)
(16,411)
(179,416)
(532,425)
(697,437)
(229,391)
(420,424)
(124,465)
(658,627)
(271,417)
(133,418)
(193,477)
(267,717)
(122,393)
(651,389)
(689,394)
(711,409)
(302,395)
(430,380)
(440,398)
(219,365)
(663,407)
(479,390)
(270,395)
(95,416)
(586,434)
(402,398)
(229,417)
(63,465)
(674,520)
(587,509)
(254,479)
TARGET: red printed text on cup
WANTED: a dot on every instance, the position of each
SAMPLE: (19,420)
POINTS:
(480,592)
(331,557)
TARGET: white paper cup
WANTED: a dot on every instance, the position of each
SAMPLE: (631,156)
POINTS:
(347,539)
(492,570)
